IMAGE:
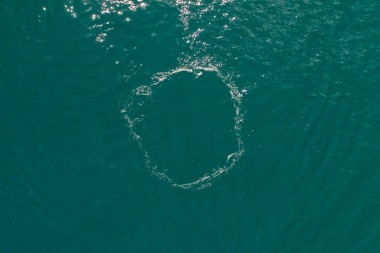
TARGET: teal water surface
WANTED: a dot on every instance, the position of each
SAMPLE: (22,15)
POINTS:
(189,126)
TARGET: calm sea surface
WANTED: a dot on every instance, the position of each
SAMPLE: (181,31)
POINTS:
(189,126)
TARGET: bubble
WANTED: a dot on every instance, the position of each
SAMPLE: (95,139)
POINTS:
(179,124)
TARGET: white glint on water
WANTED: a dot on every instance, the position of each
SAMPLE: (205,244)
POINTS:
(114,6)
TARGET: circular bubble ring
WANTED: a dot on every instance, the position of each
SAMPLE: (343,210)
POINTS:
(142,94)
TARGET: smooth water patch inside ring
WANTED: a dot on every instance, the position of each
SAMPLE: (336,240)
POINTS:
(187,125)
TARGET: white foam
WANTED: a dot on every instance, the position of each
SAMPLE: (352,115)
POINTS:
(157,80)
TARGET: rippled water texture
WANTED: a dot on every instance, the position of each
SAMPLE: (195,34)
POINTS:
(189,126)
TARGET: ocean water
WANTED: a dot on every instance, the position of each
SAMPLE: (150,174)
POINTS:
(189,126)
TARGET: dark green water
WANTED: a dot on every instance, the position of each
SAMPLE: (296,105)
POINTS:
(181,127)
